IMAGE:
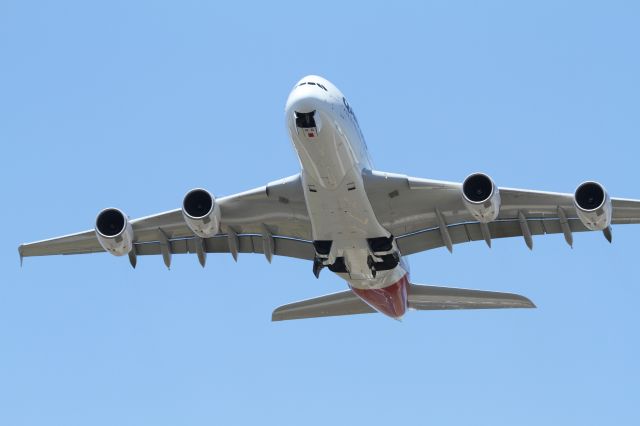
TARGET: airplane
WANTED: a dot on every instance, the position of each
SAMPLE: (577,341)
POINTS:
(341,214)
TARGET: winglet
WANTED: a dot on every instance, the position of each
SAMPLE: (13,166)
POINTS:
(20,252)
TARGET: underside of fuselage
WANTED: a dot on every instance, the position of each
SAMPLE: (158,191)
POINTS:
(348,238)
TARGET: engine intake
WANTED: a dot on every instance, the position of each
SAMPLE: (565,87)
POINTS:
(481,197)
(201,213)
(114,232)
(593,206)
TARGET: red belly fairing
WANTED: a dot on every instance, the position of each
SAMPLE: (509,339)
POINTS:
(391,300)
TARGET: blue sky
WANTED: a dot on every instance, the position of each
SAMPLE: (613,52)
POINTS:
(131,104)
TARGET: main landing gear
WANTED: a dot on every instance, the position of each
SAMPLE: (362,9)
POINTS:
(382,257)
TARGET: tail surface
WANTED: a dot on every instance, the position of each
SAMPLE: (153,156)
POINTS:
(428,298)
(419,297)
(341,303)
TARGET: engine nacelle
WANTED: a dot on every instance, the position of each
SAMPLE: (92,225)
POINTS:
(114,232)
(593,206)
(481,197)
(201,212)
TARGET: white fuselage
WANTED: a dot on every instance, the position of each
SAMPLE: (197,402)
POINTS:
(333,155)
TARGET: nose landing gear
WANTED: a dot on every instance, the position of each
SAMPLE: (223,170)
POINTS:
(306,122)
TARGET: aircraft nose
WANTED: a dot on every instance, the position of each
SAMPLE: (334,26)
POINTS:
(304,108)
(307,96)
(304,101)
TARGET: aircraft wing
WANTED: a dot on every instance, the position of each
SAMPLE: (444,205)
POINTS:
(423,214)
(274,214)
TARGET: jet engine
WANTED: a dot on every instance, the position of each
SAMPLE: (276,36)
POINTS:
(481,197)
(201,212)
(593,206)
(114,232)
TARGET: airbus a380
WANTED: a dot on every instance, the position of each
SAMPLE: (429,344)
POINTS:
(343,215)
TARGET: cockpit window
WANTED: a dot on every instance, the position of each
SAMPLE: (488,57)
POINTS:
(313,84)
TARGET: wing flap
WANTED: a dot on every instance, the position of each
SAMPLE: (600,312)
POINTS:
(429,298)
(336,304)
(287,247)
(466,232)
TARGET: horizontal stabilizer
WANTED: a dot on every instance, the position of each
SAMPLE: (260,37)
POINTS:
(342,303)
(427,298)
(420,297)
